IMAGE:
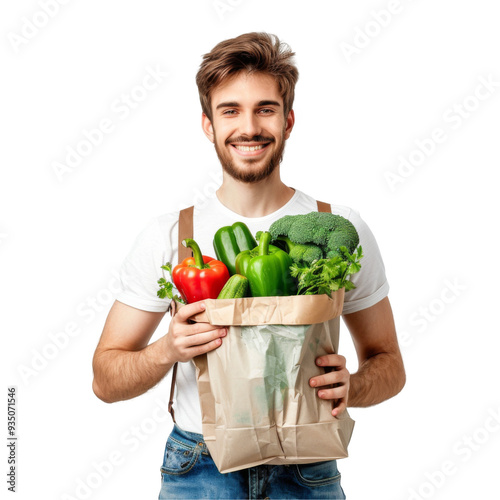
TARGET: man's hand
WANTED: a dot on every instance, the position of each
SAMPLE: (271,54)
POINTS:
(338,377)
(186,339)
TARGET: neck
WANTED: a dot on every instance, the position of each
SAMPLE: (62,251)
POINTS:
(254,200)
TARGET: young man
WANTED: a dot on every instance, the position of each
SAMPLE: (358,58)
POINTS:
(246,88)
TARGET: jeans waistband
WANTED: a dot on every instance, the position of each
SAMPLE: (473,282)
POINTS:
(191,439)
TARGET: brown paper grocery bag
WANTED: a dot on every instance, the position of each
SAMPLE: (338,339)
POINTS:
(256,402)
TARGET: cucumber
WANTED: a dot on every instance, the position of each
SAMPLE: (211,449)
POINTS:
(236,287)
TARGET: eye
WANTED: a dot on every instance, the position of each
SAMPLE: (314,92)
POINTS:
(229,112)
(267,111)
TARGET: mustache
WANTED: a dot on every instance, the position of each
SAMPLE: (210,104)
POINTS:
(255,138)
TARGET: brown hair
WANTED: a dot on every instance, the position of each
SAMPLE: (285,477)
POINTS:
(252,52)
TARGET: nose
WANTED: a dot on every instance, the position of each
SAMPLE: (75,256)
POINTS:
(249,125)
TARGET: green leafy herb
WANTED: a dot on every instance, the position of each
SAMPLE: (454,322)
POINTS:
(166,287)
(328,275)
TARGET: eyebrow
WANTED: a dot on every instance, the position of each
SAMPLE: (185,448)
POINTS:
(234,104)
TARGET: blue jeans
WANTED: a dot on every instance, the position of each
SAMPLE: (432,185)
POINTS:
(188,472)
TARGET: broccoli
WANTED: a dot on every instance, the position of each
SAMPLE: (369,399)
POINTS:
(314,236)
(305,254)
(302,253)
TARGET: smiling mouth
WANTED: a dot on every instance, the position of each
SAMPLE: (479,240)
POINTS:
(247,149)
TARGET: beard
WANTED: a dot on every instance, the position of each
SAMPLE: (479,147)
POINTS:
(250,176)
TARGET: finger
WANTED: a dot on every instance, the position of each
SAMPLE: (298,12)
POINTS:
(189,310)
(342,406)
(330,378)
(334,393)
(331,360)
(196,328)
(204,337)
(198,350)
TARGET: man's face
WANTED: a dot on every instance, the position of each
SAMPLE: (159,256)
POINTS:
(248,126)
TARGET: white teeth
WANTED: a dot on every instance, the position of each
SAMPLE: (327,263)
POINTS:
(249,148)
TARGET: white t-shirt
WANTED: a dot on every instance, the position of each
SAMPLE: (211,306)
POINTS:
(157,244)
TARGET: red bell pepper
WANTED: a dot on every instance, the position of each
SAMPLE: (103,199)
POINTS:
(199,277)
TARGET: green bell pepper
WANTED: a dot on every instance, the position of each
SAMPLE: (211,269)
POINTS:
(229,241)
(267,268)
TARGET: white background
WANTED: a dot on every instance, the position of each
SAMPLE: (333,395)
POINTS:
(358,110)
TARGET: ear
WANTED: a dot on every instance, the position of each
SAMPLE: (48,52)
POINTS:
(290,122)
(206,125)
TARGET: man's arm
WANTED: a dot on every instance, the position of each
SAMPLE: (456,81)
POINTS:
(125,366)
(381,373)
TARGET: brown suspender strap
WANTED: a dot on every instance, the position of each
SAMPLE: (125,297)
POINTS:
(324,207)
(186,231)
(173,308)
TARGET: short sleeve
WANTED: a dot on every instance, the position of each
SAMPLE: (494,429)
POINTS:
(141,269)
(371,282)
